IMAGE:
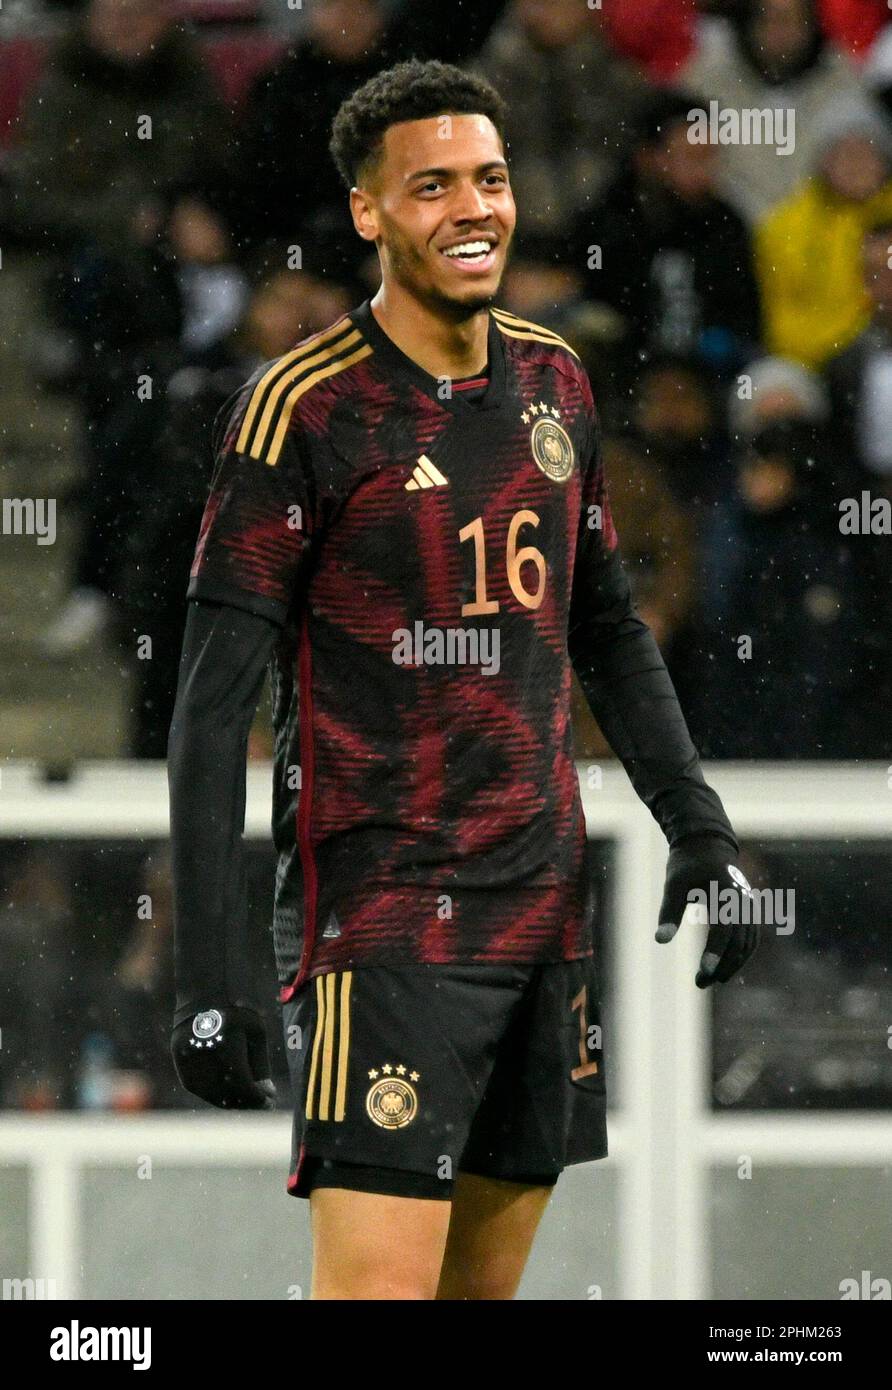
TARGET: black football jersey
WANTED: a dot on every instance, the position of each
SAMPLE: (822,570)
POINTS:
(417,547)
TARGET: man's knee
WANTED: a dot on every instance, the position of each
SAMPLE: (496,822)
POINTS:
(376,1284)
(468,1289)
(376,1275)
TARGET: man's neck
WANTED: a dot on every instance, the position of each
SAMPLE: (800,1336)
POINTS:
(439,346)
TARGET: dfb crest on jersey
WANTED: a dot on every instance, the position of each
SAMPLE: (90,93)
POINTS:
(551,445)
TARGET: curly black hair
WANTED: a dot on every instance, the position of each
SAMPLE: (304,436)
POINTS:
(409,91)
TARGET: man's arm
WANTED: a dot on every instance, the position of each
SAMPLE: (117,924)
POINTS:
(224,658)
(630,694)
(225,653)
(249,574)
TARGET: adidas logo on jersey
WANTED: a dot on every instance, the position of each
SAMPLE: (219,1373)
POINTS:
(425,474)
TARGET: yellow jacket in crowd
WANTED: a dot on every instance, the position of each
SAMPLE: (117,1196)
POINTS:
(808,260)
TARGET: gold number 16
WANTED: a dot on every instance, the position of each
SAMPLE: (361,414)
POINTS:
(514,558)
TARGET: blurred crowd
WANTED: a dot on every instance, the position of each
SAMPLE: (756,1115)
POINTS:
(86,974)
(731,301)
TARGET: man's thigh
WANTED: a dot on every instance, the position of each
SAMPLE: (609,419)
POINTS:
(492,1226)
(371,1246)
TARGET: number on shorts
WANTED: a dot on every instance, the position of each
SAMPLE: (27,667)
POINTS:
(585,1068)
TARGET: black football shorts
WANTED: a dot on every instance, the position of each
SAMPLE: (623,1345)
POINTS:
(404,1077)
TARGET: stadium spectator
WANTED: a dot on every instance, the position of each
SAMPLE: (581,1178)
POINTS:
(567,136)
(659,550)
(659,538)
(420,29)
(853,25)
(142,987)
(677,424)
(341,43)
(89,171)
(675,259)
(787,666)
(39,997)
(770,57)
(658,35)
(877,70)
(860,385)
(173,305)
(808,249)
(335,52)
(771,388)
(212,288)
(283,309)
(534,56)
(124,115)
(860,377)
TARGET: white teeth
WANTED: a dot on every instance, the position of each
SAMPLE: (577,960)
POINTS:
(469,248)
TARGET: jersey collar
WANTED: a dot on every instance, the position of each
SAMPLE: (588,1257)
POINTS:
(396,361)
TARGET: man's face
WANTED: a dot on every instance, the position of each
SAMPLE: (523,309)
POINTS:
(553,23)
(776,403)
(345,30)
(854,168)
(688,169)
(766,483)
(781,30)
(440,209)
(673,405)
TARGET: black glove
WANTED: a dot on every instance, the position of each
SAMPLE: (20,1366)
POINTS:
(694,863)
(221,1055)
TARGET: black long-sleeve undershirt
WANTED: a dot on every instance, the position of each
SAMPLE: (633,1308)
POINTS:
(225,654)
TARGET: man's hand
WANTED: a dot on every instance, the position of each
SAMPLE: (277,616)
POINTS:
(694,864)
(220,1055)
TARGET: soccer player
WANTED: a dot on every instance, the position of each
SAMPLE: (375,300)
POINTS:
(408,520)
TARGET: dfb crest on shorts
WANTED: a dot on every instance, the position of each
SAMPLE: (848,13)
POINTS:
(392,1100)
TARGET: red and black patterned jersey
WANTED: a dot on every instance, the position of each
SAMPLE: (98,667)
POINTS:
(418,549)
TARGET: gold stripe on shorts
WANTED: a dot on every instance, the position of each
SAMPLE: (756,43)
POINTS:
(330,1059)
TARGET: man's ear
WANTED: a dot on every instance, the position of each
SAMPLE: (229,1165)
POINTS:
(365,216)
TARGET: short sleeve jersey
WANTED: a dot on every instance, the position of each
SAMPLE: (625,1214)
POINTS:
(417,549)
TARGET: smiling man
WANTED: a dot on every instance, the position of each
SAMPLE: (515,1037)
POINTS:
(428,465)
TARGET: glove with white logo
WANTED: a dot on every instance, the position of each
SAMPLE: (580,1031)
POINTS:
(694,864)
(221,1056)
